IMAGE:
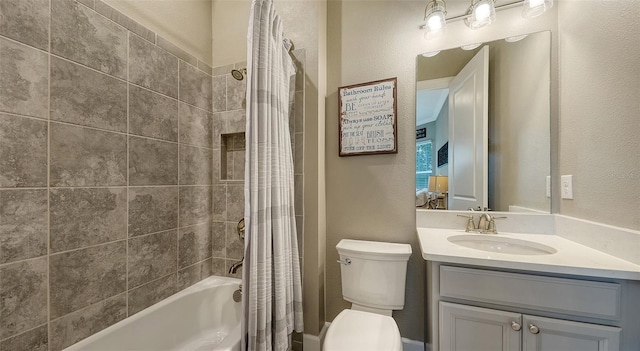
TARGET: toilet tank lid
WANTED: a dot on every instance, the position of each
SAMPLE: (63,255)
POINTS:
(374,248)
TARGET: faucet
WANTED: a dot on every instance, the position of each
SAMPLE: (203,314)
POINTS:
(234,267)
(486,224)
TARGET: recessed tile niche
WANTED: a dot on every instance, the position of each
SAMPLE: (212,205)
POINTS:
(232,151)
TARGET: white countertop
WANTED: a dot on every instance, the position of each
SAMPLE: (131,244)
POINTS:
(571,258)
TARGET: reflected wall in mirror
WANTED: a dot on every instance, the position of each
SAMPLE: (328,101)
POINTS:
(486,113)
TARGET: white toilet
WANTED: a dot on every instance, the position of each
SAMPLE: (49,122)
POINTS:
(373,280)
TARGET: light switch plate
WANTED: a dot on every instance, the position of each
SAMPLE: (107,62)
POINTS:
(548,186)
(566,186)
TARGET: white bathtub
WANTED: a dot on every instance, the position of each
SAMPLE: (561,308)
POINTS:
(201,317)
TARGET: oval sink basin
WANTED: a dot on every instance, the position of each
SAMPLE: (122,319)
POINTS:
(501,244)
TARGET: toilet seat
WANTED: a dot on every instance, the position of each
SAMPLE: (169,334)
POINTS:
(358,330)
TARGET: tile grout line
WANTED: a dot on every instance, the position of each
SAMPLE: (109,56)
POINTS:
(126,234)
(49,334)
(178,214)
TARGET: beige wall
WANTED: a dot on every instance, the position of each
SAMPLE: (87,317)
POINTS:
(187,23)
(600,109)
(230,21)
(372,197)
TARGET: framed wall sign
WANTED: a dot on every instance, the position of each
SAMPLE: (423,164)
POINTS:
(368,118)
(443,155)
(421,133)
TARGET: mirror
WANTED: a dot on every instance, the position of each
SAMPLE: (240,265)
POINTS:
(483,127)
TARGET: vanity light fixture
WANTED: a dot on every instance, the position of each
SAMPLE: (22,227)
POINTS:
(534,8)
(434,18)
(480,14)
(469,47)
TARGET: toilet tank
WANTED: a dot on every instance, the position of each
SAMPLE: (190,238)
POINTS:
(376,274)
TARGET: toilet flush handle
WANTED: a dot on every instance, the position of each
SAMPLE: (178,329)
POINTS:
(346,261)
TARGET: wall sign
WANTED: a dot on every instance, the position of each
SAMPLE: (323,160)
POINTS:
(421,133)
(368,118)
(443,155)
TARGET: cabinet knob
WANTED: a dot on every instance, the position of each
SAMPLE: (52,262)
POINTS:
(515,326)
(534,329)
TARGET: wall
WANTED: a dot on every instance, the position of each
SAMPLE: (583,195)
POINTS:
(186,23)
(600,109)
(105,172)
(371,197)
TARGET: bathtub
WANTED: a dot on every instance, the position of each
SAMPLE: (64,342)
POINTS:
(201,317)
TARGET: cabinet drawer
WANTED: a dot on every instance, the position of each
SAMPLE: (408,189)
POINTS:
(559,295)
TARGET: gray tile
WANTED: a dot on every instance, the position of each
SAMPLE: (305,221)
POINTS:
(298,165)
(195,204)
(298,194)
(26,21)
(195,165)
(219,93)
(195,87)
(238,273)
(23,224)
(152,209)
(218,238)
(82,35)
(300,235)
(235,203)
(219,128)
(89,3)
(194,244)
(194,274)
(229,165)
(205,68)
(83,96)
(24,79)
(151,257)
(85,217)
(124,21)
(235,246)
(241,64)
(80,278)
(238,165)
(218,267)
(152,67)
(87,157)
(152,162)
(32,340)
(222,70)
(219,203)
(78,325)
(235,121)
(23,152)
(151,293)
(195,126)
(298,112)
(152,115)
(236,91)
(177,51)
(215,166)
(23,296)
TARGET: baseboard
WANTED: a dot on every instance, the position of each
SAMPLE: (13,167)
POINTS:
(313,342)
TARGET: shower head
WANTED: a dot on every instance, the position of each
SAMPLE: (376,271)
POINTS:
(238,74)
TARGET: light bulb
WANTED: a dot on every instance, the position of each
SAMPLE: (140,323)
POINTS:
(534,8)
(482,12)
(434,23)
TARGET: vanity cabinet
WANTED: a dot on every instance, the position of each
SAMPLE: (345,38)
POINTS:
(466,328)
(474,309)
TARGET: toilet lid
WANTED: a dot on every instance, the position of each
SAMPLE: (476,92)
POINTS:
(357,330)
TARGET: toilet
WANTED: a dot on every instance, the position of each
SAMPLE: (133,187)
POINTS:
(373,280)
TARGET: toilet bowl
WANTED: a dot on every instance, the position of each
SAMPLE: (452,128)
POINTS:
(373,280)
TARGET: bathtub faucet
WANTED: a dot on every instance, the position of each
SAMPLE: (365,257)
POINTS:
(234,267)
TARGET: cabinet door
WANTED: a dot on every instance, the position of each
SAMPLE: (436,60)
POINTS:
(468,328)
(546,334)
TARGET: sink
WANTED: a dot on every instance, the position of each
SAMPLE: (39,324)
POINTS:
(501,244)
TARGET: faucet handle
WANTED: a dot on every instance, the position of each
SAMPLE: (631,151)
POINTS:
(470,224)
(491,225)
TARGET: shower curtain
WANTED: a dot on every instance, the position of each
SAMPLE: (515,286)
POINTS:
(271,272)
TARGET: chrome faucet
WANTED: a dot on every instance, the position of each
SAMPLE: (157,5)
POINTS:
(234,267)
(486,224)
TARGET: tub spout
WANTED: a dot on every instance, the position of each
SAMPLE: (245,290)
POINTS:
(234,267)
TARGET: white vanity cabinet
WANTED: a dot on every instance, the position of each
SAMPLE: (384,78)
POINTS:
(470,328)
(475,309)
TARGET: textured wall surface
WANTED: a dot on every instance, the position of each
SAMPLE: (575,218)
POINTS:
(105,171)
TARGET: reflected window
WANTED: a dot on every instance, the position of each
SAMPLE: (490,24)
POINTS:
(424,164)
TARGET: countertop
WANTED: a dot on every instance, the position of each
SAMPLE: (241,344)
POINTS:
(571,258)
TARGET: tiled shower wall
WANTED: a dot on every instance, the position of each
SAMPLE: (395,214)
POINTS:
(106,147)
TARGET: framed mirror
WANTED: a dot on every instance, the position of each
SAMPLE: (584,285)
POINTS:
(483,126)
